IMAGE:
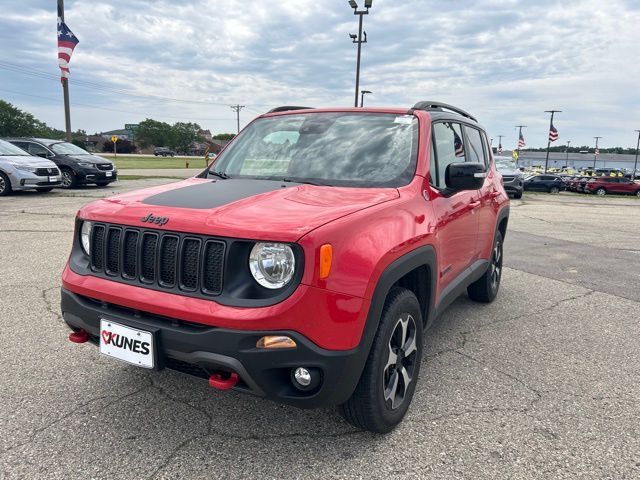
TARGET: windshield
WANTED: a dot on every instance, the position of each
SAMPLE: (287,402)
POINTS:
(65,148)
(345,149)
(7,148)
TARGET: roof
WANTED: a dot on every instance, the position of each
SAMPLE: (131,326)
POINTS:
(44,141)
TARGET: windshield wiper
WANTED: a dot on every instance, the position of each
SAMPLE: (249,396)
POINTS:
(222,175)
(306,182)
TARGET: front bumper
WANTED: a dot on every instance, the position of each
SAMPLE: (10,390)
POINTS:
(201,350)
(93,175)
(25,180)
(514,186)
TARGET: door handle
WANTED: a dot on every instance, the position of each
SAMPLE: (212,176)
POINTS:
(494,194)
(473,205)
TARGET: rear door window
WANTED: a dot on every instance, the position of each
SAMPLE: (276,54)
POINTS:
(35,149)
(475,147)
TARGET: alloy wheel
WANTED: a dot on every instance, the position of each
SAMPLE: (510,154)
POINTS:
(3,185)
(601,191)
(496,265)
(398,372)
(66,179)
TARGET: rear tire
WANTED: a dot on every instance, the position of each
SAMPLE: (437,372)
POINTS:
(5,185)
(486,287)
(601,191)
(383,394)
(554,190)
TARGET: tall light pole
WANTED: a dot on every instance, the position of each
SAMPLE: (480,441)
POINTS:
(358,39)
(595,152)
(568,143)
(551,127)
(635,165)
(362,93)
(236,108)
(521,142)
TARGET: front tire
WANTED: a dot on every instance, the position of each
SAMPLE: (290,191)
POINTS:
(5,185)
(69,179)
(486,287)
(601,191)
(383,394)
(554,190)
(517,195)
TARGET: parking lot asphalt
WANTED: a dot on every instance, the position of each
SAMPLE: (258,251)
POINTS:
(542,383)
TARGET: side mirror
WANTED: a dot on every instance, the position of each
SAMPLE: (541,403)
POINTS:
(465,176)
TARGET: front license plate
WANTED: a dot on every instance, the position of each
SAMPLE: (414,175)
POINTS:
(108,174)
(127,344)
(54,179)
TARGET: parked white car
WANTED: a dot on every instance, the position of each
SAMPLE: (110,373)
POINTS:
(21,171)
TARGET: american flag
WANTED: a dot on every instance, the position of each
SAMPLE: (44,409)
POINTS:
(67,41)
(499,149)
(521,141)
(553,133)
(458,145)
(597,152)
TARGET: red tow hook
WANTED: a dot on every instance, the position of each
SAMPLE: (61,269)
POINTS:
(217,381)
(79,337)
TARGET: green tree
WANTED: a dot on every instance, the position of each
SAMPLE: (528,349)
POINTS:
(184,134)
(224,136)
(153,132)
(17,123)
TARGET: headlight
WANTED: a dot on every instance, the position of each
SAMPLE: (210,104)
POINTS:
(85,237)
(26,168)
(272,264)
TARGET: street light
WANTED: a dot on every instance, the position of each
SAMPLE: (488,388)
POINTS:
(595,152)
(358,39)
(362,93)
(568,143)
(635,166)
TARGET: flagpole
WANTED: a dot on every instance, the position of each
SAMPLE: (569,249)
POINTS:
(595,152)
(65,84)
(546,162)
(520,127)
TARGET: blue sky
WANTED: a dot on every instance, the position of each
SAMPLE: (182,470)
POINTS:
(506,61)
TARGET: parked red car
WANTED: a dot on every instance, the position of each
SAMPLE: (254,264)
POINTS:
(619,185)
(304,264)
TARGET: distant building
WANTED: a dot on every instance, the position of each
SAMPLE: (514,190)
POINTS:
(122,134)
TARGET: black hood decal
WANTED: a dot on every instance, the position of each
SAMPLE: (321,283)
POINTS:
(213,194)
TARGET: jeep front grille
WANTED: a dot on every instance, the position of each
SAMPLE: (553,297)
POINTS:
(155,258)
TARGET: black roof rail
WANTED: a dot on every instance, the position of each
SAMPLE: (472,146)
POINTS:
(439,106)
(286,108)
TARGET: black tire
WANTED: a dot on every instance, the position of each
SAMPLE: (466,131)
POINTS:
(400,329)
(517,195)
(554,189)
(44,190)
(69,179)
(486,287)
(5,185)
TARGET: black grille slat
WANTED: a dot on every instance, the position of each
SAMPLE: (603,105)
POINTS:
(104,166)
(97,247)
(189,263)
(130,254)
(167,263)
(212,267)
(113,251)
(148,258)
(45,172)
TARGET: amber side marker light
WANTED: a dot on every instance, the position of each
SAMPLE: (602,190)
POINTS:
(326,256)
(275,341)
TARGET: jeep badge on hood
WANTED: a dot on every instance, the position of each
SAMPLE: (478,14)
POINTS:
(151,218)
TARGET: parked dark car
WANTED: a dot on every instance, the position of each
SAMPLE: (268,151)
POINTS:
(78,166)
(163,152)
(544,183)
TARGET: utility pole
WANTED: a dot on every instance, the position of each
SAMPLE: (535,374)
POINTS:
(500,144)
(552,112)
(358,39)
(595,152)
(362,94)
(567,160)
(236,108)
(65,82)
(520,141)
(635,165)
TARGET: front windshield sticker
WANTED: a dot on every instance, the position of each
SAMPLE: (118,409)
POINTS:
(404,120)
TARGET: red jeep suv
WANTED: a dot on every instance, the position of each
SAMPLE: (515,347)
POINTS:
(305,263)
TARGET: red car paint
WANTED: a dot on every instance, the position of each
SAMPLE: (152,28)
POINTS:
(368,229)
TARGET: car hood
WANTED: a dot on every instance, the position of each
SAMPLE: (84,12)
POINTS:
(509,171)
(28,161)
(240,208)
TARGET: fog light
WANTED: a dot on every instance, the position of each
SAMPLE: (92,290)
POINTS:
(275,341)
(302,376)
